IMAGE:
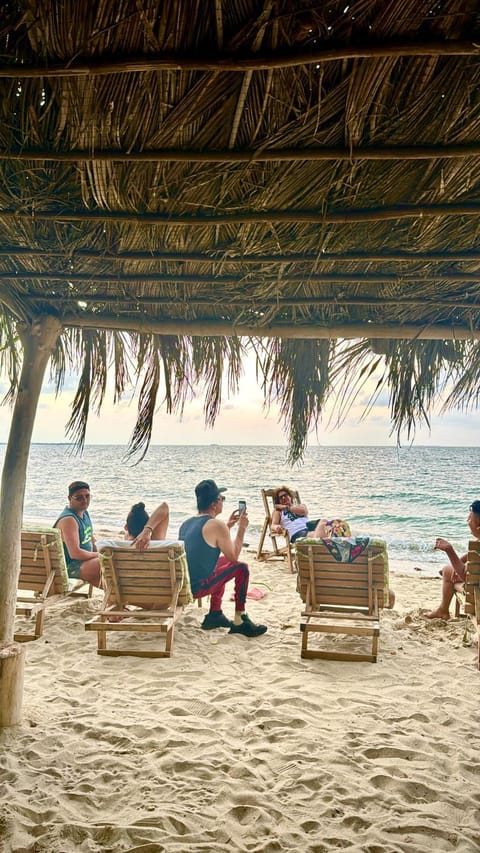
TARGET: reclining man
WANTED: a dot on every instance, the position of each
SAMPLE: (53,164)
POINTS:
(293,518)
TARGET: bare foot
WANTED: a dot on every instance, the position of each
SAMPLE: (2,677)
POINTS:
(437,614)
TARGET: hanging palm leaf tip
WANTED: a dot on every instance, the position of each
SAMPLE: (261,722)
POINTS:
(157,356)
(9,354)
(466,392)
(353,368)
(417,373)
(92,383)
(296,376)
(211,357)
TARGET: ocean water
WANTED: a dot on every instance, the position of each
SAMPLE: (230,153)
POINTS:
(407,496)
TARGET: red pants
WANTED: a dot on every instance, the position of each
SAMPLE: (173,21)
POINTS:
(214,585)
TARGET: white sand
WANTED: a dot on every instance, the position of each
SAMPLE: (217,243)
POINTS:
(240,745)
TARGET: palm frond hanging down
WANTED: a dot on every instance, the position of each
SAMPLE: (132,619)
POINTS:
(212,360)
(92,383)
(297,378)
(10,354)
(466,392)
(417,372)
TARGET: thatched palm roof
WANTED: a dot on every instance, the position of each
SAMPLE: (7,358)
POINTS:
(290,170)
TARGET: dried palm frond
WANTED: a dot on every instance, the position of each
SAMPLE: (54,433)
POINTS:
(92,383)
(466,392)
(10,354)
(212,358)
(296,377)
(173,170)
(415,374)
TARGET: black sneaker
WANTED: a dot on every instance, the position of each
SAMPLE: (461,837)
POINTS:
(215,619)
(247,628)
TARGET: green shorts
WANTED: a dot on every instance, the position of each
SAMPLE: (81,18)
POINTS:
(73,569)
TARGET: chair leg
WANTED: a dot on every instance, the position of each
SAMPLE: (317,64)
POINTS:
(102,641)
(292,565)
(476,616)
(262,540)
(39,621)
(304,648)
(374,648)
(169,639)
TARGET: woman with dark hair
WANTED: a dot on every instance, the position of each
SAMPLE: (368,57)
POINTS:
(139,521)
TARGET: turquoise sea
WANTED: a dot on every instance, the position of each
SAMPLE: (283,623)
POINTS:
(408,496)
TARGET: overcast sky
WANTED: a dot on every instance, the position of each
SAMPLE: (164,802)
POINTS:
(242,421)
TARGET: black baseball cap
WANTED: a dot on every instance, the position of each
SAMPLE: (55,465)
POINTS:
(208,492)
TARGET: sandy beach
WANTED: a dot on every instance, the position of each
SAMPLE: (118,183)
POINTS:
(240,745)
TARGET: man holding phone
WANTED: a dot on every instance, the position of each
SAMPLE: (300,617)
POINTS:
(212,557)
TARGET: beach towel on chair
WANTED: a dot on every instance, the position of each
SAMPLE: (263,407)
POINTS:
(346,549)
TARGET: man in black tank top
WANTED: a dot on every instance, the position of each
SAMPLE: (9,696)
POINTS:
(212,558)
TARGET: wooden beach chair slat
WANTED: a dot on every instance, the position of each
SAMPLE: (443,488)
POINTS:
(43,575)
(341,598)
(472,589)
(155,582)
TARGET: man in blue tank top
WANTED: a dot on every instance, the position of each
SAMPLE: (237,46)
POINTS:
(212,558)
(75,526)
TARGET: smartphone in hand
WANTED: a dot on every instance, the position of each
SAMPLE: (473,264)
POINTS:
(242,507)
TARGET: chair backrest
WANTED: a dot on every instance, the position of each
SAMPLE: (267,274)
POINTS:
(42,552)
(472,575)
(325,582)
(134,577)
(269,506)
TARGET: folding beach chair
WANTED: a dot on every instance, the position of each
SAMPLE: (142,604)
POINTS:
(155,582)
(472,589)
(43,577)
(342,598)
(280,543)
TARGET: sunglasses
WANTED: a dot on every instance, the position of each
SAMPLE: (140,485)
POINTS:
(281,497)
(221,498)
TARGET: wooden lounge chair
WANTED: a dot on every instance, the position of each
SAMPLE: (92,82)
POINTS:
(341,598)
(158,576)
(472,589)
(43,577)
(280,543)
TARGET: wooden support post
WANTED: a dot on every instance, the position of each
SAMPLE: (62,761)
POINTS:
(12,663)
(39,340)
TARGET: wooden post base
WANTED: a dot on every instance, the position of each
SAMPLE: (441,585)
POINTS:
(12,664)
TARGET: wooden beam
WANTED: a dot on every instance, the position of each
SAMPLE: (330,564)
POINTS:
(243,300)
(187,280)
(312,217)
(240,63)
(218,255)
(221,328)
(261,155)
